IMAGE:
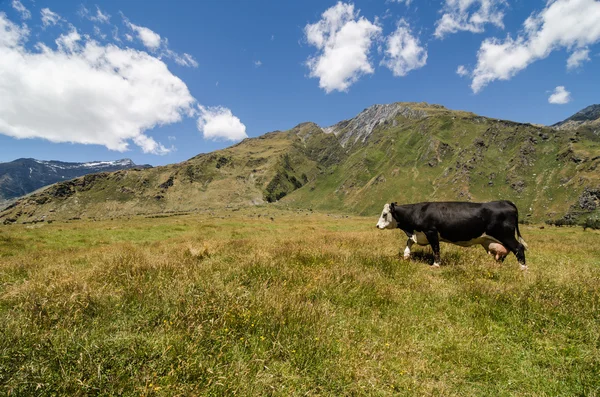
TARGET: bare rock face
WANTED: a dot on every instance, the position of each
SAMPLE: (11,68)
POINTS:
(589,199)
(360,127)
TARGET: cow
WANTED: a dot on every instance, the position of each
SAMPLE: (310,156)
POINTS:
(491,224)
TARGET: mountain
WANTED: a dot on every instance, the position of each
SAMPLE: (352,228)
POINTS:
(405,152)
(23,176)
(590,116)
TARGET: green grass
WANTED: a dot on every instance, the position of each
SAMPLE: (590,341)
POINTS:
(304,304)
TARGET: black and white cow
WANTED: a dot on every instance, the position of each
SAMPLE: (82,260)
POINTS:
(492,225)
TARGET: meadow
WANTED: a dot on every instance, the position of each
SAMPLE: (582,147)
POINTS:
(264,301)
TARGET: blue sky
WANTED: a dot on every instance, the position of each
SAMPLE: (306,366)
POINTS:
(161,81)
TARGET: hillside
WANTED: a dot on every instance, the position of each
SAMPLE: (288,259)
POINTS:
(590,117)
(23,176)
(404,152)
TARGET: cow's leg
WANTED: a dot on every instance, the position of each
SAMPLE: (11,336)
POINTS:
(516,248)
(409,244)
(432,238)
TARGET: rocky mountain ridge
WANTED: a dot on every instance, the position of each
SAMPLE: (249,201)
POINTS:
(589,116)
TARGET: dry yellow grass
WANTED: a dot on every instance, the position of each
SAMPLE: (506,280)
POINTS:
(300,304)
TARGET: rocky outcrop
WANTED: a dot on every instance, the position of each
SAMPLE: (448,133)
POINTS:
(360,127)
(589,199)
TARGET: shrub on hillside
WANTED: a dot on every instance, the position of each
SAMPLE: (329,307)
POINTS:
(591,223)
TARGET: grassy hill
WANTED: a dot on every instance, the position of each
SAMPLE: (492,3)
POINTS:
(403,152)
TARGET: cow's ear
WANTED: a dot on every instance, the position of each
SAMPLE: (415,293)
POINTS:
(392,205)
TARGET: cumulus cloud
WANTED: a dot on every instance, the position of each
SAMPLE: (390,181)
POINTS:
(258,63)
(560,96)
(85,92)
(578,57)
(462,71)
(49,17)
(20,8)
(403,51)
(343,40)
(218,123)
(570,24)
(469,15)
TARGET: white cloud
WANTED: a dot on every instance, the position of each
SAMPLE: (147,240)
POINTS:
(462,71)
(12,35)
(152,41)
(469,15)
(183,60)
(67,43)
(405,2)
(218,123)
(148,37)
(84,92)
(258,63)
(578,57)
(560,96)
(49,17)
(115,34)
(403,51)
(343,41)
(17,5)
(570,24)
(100,16)
(98,32)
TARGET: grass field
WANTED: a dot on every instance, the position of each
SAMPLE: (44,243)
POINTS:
(291,303)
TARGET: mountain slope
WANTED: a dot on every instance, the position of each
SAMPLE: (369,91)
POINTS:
(403,152)
(450,155)
(590,117)
(23,176)
(252,172)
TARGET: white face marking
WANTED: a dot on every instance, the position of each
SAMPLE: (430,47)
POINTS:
(386,220)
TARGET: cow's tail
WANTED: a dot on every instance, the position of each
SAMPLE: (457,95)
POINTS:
(520,238)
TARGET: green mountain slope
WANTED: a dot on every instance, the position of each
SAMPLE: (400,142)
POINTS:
(251,172)
(403,152)
(449,155)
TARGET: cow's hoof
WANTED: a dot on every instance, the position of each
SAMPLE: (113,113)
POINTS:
(523,267)
(406,257)
(435,264)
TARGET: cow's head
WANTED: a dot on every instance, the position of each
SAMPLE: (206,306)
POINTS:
(386,220)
